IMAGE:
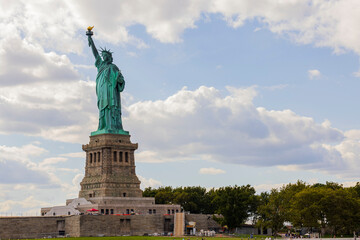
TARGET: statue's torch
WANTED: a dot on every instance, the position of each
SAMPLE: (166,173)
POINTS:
(89,32)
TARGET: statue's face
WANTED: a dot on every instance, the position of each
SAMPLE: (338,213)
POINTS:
(107,57)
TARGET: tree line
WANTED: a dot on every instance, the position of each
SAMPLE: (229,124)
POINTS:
(326,207)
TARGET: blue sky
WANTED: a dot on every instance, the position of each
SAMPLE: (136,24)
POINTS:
(217,93)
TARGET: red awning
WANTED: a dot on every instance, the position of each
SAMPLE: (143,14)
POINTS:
(92,210)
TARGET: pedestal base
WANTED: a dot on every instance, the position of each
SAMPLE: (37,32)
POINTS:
(110,167)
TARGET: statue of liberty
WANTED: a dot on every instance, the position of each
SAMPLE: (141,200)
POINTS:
(109,83)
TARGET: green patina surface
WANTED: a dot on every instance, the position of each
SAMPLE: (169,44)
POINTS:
(102,131)
(109,83)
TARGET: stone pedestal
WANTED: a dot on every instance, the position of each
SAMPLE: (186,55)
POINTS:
(110,167)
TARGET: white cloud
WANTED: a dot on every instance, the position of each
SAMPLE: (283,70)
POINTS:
(211,171)
(20,154)
(48,109)
(74,155)
(314,74)
(276,87)
(195,124)
(149,157)
(72,190)
(132,54)
(41,89)
(23,175)
(51,23)
(149,182)
(266,187)
(19,170)
(16,166)
(321,23)
(29,202)
(48,165)
(257,29)
(85,66)
(52,161)
(190,125)
(356,74)
(349,184)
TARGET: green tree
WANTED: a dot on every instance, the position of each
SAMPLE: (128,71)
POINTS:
(276,208)
(149,192)
(288,193)
(342,210)
(192,199)
(306,208)
(236,204)
(327,205)
(162,195)
(355,190)
(272,213)
(261,218)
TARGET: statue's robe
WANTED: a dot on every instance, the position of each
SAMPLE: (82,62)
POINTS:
(109,83)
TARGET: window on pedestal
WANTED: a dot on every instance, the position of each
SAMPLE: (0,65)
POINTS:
(107,211)
(90,157)
(111,211)
(126,157)
(150,211)
(127,211)
(121,156)
(115,156)
(94,157)
(102,211)
(124,194)
(154,211)
(98,156)
(172,211)
(168,211)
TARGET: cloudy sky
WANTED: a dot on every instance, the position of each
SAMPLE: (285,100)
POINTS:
(218,92)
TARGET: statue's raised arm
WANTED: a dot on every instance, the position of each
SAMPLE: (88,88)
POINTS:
(89,33)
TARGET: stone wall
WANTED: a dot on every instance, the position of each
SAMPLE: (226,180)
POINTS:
(84,226)
(96,225)
(72,226)
(100,225)
(31,227)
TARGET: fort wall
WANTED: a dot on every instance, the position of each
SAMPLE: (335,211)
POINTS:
(31,227)
(84,226)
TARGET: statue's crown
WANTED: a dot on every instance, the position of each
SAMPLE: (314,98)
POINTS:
(104,50)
